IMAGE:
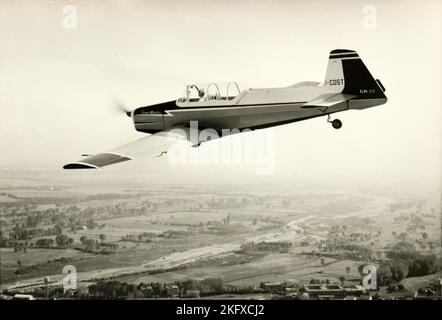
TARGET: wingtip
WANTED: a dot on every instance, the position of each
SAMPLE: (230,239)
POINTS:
(79,165)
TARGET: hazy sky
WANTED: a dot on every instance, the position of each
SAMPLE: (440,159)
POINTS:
(58,86)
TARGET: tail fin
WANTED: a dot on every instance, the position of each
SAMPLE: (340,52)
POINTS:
(346,73)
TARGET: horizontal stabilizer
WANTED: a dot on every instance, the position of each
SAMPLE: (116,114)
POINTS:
(305,84)
(328,100)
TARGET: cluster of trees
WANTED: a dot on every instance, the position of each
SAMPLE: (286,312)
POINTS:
(266,246)
(44,243)
(404,261)
(401,236)
(25,222)
(319,281)
(418,264)
(405,205)
(351,250)
(21,247)
(63,241)
(33,220)
(326,281)
(142,237)
(20,233)
(90,245)
(3,242)
(25,232)
(114,290)
(173,234)
(390,272)
(229,203)
(359,236)
(121,290)
(93,246)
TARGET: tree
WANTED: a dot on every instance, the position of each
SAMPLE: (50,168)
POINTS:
(102,237)
(389,273)
(402,251)
(347,269)
(83,240)
(90,224)
(90,245)
(423,265)
(402,236)
(58,228)
(92,290)
(342,279)
(425,236)
(63,240)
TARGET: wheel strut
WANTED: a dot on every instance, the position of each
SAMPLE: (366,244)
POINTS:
(336,123)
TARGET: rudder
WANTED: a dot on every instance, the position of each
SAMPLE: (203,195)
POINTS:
(346,73)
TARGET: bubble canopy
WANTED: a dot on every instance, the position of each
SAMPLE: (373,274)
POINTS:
(207,92)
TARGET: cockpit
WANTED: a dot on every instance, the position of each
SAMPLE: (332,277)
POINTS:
(210,92)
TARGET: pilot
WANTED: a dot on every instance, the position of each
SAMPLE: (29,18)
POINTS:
(201,93)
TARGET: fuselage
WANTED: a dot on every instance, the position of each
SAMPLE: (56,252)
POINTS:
(251,108)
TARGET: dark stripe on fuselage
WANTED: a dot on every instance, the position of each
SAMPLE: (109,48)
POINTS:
(171,105)
(160,107)
(280,123)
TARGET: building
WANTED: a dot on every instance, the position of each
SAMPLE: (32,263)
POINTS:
(355,291)
(172,291)
(334,291)
(23,297)
(275,286)
(195,294)
(146,289)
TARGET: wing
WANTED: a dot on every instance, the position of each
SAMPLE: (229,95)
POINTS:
(328,100)
(153,145)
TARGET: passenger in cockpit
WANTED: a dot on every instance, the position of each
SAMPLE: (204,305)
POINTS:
(201,93)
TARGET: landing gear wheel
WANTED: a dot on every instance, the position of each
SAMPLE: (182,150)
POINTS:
(337,124)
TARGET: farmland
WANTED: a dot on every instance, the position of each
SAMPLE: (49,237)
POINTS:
(139,233)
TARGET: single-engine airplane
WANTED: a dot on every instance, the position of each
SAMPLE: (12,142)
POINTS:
(348,85)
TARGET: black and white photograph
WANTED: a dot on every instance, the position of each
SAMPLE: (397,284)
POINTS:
(212,156)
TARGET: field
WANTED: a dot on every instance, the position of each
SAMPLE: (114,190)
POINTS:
(164,234)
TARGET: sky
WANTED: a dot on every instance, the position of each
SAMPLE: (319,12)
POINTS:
(59,85)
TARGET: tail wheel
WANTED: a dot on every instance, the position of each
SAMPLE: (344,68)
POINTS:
(337,124)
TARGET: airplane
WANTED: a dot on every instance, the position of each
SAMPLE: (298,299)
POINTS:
(348,85)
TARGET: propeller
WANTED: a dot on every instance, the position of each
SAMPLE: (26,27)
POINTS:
(121,107)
